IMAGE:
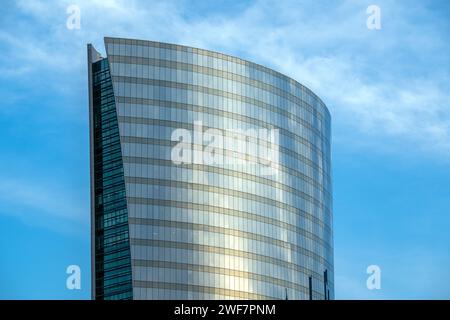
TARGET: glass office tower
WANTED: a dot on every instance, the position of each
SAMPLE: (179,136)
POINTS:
(166,229)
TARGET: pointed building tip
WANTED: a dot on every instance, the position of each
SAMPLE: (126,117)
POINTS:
(93,54)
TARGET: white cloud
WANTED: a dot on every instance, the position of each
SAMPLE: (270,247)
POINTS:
(387,87)
(328,49)
(41,203)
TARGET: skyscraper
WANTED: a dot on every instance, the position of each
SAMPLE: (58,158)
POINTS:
(210,177)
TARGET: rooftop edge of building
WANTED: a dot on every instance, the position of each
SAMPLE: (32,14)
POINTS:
(166,45)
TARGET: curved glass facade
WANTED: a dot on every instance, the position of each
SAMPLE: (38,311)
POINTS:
(200,230)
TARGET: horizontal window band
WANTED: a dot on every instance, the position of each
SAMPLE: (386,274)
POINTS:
(189,126)
(199,289)
(115,292)
(223,271)
(222,113)
(217,55)
(219,190)
(169,64)
(222,210)
(228,172)
(231,232)
(224,251)
(205,90)
(239,156)
(168,143)
(177,125)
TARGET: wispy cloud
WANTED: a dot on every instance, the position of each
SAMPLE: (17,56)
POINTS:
(362,75)
(387,91)
(38,203)
(384,91)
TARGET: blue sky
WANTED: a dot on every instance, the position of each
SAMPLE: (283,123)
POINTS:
(387,90)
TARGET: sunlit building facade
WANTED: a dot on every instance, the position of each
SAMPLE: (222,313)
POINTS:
(168,230)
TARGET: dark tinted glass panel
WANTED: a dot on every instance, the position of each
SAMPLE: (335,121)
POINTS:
(112,246)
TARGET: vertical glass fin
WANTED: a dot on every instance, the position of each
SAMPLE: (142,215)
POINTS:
(112,246)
